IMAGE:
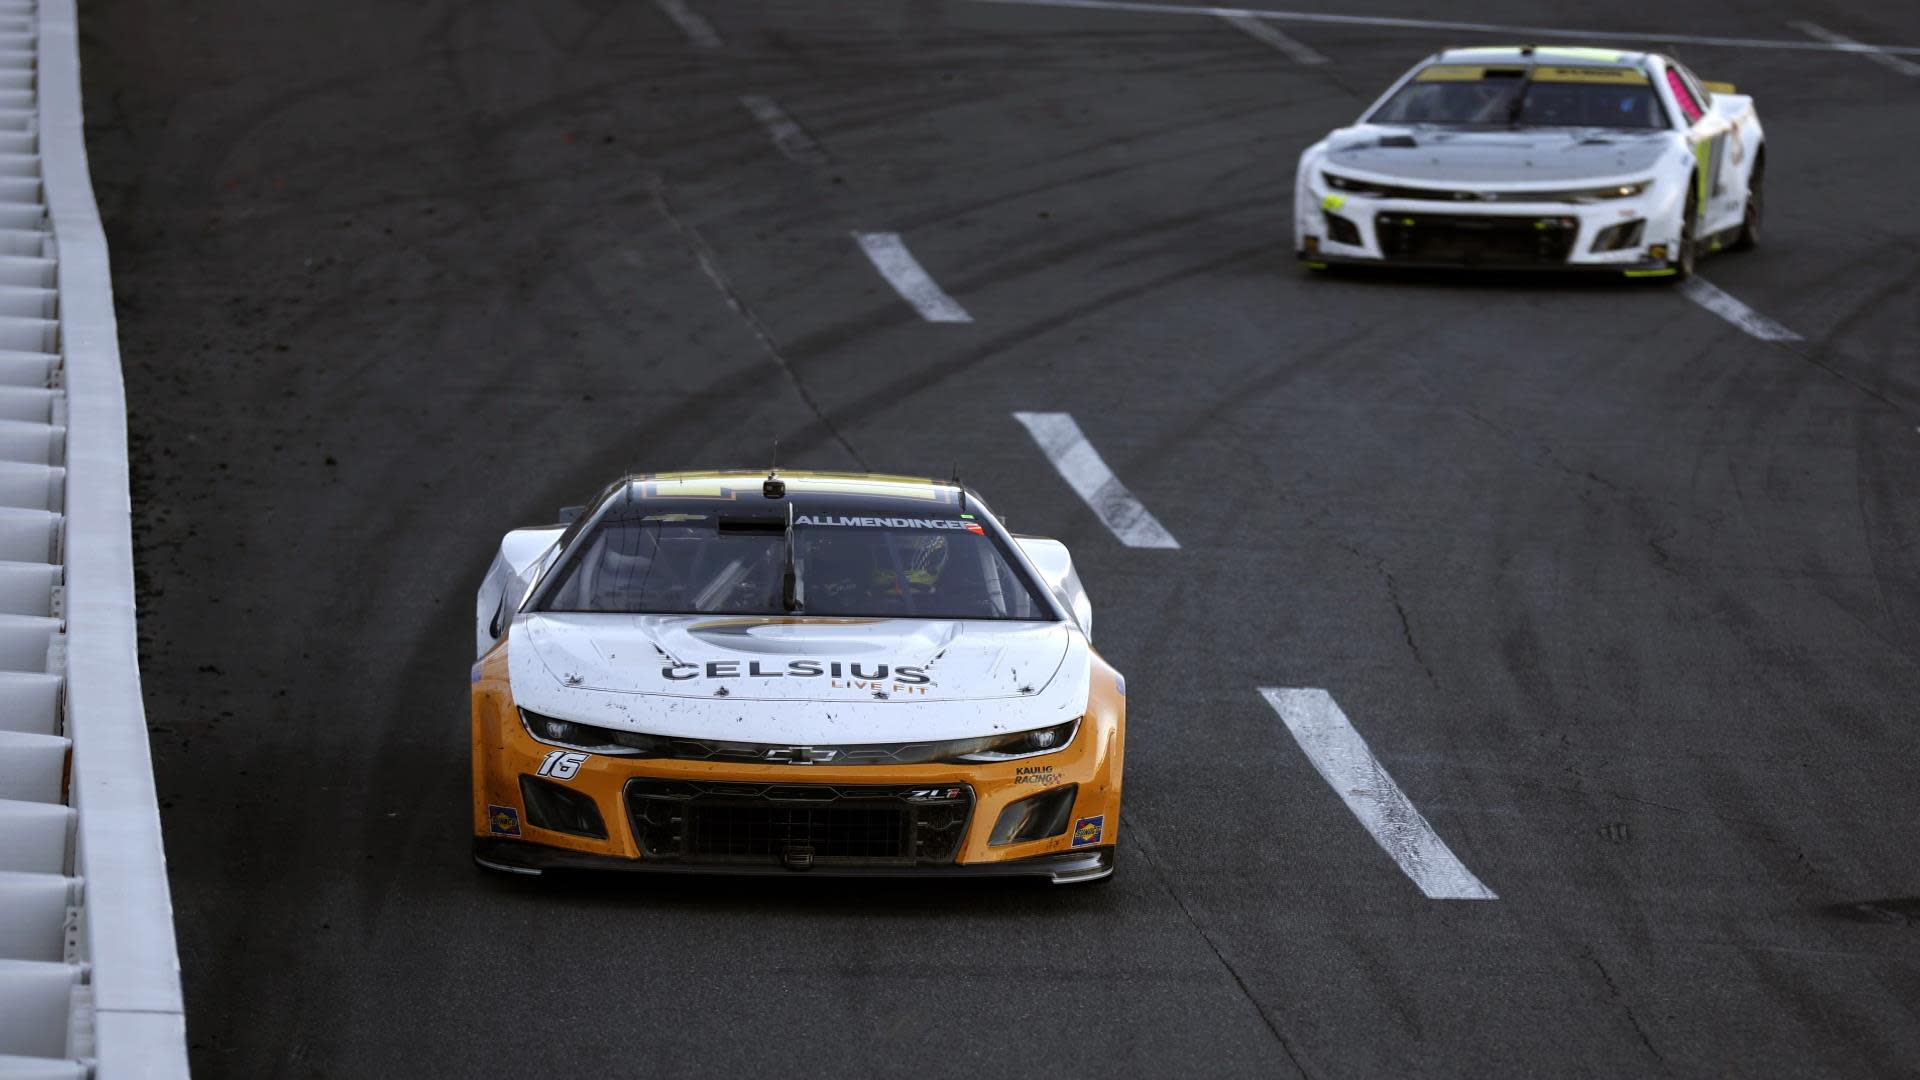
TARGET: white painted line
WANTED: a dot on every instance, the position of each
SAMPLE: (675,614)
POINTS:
(895,263)
(1345,762)
(691,23)
(1735,312)
(1262,32)
(1080,464)
(789,136)
(1504,29)
(1877,55)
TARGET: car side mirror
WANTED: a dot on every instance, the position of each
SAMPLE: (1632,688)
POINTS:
(1055,564)
(523,554)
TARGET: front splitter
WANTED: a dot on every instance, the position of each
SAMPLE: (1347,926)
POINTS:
(1061,868)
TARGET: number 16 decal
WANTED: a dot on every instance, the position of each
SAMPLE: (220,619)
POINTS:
(562,764)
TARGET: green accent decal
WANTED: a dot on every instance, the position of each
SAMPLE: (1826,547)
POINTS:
(1668,272)
(1333,202)
(1703,156)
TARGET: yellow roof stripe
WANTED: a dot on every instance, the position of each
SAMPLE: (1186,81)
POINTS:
(1456,73)
(1616,76)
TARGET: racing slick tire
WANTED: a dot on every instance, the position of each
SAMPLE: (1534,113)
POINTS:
(1689,246)
(1749,237)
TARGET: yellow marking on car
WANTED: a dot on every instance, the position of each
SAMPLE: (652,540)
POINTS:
(1604,75)
(1458,73)
(1719,87)
(1667,272)
(1333,202)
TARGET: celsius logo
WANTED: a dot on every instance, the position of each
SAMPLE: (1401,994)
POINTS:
(795,669)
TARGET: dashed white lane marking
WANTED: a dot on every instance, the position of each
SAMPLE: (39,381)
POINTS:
(1345,762)
(1444,24)
(1735,312)
(1877,55)
(1266,34)
(788,136)
(902,271)
(691,23)
(1081,465)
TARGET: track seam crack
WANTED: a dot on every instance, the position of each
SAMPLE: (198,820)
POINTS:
(1146,849)
(709,262)
(1613,990)
(1399,609)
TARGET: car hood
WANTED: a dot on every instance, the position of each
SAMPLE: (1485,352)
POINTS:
(796,679)
(1503,159)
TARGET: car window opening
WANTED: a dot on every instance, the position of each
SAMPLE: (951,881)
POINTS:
(875,561)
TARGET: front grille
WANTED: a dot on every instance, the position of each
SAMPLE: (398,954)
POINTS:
(1476,240)
(797,825)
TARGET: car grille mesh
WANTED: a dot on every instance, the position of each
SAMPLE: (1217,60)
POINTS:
(1475,239)
(797,825)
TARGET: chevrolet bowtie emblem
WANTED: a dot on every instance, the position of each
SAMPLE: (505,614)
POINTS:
(801,755)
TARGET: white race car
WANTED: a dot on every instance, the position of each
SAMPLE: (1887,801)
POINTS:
(830,672)
(1525,157)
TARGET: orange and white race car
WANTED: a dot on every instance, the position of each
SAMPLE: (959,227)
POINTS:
(821,672)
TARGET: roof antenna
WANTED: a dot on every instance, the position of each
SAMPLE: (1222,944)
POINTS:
(774,487)
(1526,50)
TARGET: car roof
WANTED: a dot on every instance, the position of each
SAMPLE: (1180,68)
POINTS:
(884,485)
(1571,55)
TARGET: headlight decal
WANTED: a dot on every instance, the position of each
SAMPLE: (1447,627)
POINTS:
(986,750)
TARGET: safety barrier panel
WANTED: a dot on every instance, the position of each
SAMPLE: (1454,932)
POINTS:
(89,973)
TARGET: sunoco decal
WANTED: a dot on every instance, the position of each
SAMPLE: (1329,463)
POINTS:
(1087,830)
(504,820)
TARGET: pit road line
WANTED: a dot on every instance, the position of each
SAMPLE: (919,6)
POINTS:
(787,135)
(1877,55)
(1443,24)
(1067,448)
(1752,322)
(1265,34)
(691,23)
(1346,763)
(890,256)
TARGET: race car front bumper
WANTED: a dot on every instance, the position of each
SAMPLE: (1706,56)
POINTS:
(538,806)
(1635,236)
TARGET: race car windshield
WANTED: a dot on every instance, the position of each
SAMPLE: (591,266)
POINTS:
(1459,96)
(865,557)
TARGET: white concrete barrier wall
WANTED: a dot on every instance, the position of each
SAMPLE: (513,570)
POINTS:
(89,973)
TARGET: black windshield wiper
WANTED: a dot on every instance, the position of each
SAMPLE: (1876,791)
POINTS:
(790,593)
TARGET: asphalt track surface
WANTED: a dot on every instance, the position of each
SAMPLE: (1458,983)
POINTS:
(1626,600)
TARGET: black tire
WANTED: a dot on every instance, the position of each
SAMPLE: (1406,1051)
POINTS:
(1689,248)
(1749,237)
